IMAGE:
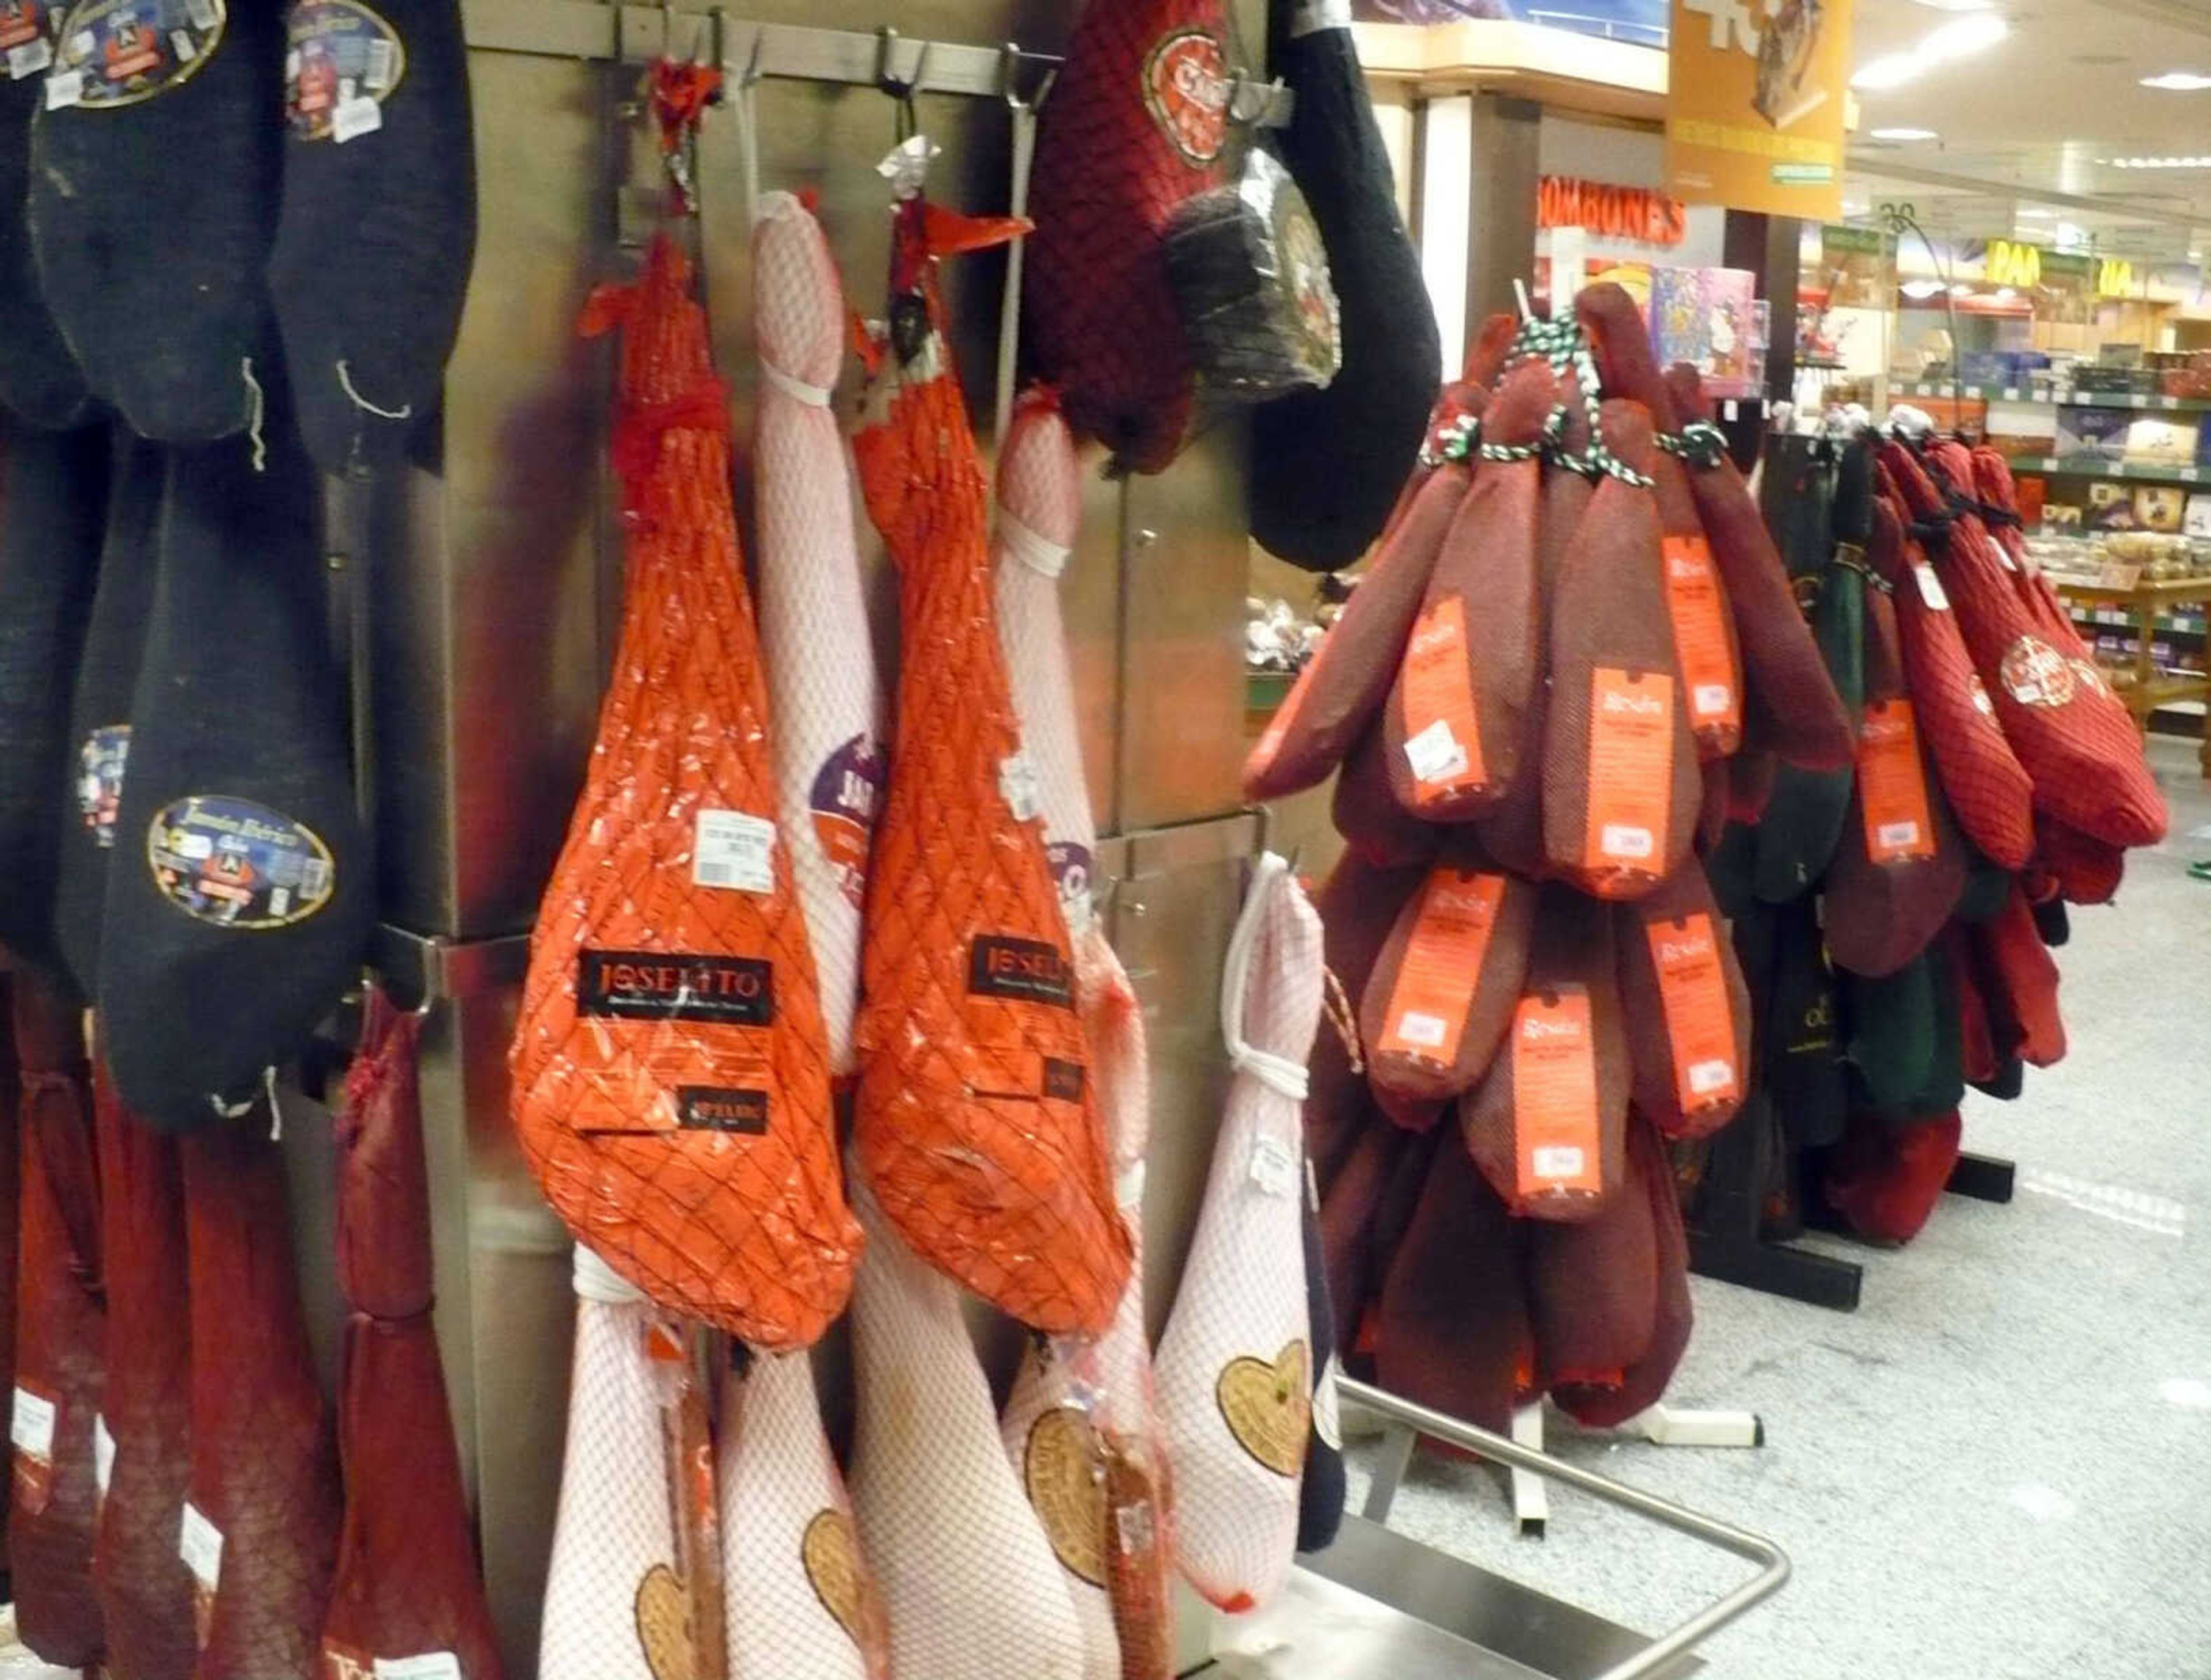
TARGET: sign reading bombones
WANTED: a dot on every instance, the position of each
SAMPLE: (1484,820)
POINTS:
(1756,105)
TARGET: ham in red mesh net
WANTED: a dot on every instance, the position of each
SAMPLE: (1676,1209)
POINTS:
(1978,1059)
(1686,1008)
(1367,813)
(1359,905)
(1988,789)
(1137,124)
(60,1334)
(1451,1325)
(671,1070)
(407,1584)
(1342,688)
(1899,866)
(145,1590)
(1998,493)
(1446,985)
(1885,1180)
(1457,712)
(1593,1287)
(11,1162)
(1643,1385)
(2086,871)
(2015,966)
(976,1124)
(1545,1126)
(260,1529)
(1621,782)
(2074,735)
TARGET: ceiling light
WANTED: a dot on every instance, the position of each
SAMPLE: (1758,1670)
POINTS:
(1893,71)
(1973,32)
(1905,133)
(2035,212)
(2179,81)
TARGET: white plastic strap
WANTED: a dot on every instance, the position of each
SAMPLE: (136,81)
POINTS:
(1277,1073)
(598,1281)
(1032,547)
(814,396)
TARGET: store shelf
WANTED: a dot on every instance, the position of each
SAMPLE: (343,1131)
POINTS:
(2087,467)
(2177,624)
(2093,399)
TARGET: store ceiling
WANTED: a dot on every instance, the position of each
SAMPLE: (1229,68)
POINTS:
(2033,121)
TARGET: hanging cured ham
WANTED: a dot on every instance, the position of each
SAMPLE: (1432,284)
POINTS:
(671,1070)
(822,686)
(1687,1008)
(11,1163)
(38,379)
(1235,1371)
(977,1123)
(408,1586)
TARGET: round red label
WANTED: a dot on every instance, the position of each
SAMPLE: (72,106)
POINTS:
(2036,674)
(1186,89)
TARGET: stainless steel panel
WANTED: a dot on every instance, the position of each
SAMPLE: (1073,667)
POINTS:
(1318,1629)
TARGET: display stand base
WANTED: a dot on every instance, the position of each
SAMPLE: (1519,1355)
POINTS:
(1661,1426)
(1982,1178)
(1777,1269)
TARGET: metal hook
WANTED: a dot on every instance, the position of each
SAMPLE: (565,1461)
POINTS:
(1009,69)
(754,60)
(1242,112)
(901,88)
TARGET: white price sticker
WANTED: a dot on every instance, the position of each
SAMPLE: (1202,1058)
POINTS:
(31,1427)
(356,117)
(1558,1161)
(103,1455)
(1898,835)
(29,58)
(1931,587)
(1327,1422)
(734,850)
(383,64)
(1713,700)
(199,1544)
(1713,1075)
(1273,1166)
(180,42)
(63,89)
(1435,753)
(1020,786)
(430,1665)
(1417,1026)
(1627,840)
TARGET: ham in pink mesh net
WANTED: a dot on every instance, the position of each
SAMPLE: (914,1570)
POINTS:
(1686,1008)
(797,1597)
(408,1583)
(1643,1385)
(145,1590)
(260,1531)
(822,688)
(60,1334)
(1235,1372)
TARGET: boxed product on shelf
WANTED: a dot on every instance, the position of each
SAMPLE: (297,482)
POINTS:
(2004,368)
(2196,522)
(2097,434)
(2162,442)
(2111,507)
(2103,380)
(2159,507)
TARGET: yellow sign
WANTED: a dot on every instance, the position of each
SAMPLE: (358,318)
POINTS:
(1755,103)
(2010,264)
(2115,278)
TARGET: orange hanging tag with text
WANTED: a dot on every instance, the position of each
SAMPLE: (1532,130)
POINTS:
(1443,740)
(1443,962)
(1631,770)
(1699,1021)
(1554,1118)
(1892,786)
(1700,637)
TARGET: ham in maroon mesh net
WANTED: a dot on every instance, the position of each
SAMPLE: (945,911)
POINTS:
(1687,1008)
(1593,1287)
(1621,782)
(408,1583)
(1644,1383)
(10,1206)
(2015,966)
(60,1332)
(1989,792)
(1367,813)
(1357,905)
(260,1531)
(145,1590)
(1350,1233)
(2086,871)
(1885,1180)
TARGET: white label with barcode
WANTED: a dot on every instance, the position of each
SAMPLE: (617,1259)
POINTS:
(29,58)
(1712,1076)
(199,1544)
(1930,588)
(1713,699)
(1416,1027)
(1274,1165)
(103,1454)
(356,117)
(1020,786)
(31,1427)
(204,14)
(314,877)
(63,89)
(383,60)
(1900,833)
(430,1665)
(180,42)
(1624,839)
(1557,1161)
(734,850)
(1435,753)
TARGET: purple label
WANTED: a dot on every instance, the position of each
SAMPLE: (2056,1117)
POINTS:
(847,789)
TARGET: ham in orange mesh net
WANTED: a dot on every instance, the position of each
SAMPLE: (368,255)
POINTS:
(671,1070)
(1457,714)
(977,1121)
(1688,1009)
(1620,783)
(407,1577)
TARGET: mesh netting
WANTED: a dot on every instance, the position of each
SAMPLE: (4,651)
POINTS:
(1643,1385)
(2015,964)
(1686,1011)
(1886,1180)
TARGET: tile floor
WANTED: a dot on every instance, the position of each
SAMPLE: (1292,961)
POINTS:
(1999,1468)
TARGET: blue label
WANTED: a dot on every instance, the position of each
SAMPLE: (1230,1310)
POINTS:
(122,51)
(238,864)
(339,53)
(847,791)
(100,764)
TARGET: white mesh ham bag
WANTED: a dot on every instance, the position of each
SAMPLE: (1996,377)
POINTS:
(825,698)
(1234,1370)
(618,1606)
(797,1599)
(969,1581)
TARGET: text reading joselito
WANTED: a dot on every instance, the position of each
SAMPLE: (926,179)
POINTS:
(1028,970)
(659,985)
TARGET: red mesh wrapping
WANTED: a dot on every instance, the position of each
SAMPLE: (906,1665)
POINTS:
(1644,1383)
(1451,1329)
(2086,871)
(1135,125)
(1977,1061)
(1459,402)
(1367,813)
(2015,964)
(60,1330)
(1609,615)
(11,1162)
(1572,948)
(1593,1287)
(1880,916)
(1357,905)
(1988,789)
(408,1583)
(2074,735)
(1475,656)
(1885,1180)
(1686,1009)
(1349,1232)
(1342,687)
(265,1470)
(145,1590)
(1998,493)
(1443,990)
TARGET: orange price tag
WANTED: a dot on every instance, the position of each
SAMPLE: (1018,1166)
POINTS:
(1699,1021)
(1443,960)
(1700,640)
(1899,826)
(1631,769)
(1442,741)
(1554,1119)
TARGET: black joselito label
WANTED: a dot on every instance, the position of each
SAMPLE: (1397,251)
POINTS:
(717,1108)
(1000,966)
(1063,1080)
(658,986)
